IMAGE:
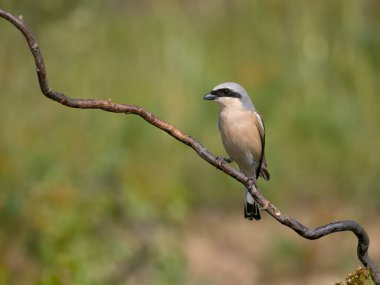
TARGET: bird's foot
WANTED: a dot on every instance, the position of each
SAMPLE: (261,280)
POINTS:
(264,207)
(228,160)
(221,159)
(253,182)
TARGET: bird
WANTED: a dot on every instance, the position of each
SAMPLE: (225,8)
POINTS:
(243,136)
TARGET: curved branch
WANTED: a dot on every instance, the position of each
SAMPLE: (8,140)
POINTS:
(107,105)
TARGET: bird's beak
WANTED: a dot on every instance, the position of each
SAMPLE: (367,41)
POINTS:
(210,96)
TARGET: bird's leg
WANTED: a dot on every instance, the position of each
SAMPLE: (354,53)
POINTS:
(221,159)
(228,160)
(254,182)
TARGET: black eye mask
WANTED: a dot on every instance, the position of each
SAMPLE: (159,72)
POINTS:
(225,92)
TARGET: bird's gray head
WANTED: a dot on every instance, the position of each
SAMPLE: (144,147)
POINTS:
(230,94)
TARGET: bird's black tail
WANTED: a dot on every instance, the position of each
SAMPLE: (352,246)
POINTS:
(251,208)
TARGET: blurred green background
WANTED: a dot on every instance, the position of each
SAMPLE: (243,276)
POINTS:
(90,197)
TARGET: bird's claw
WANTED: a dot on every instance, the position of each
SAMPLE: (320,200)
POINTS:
(261,208)
(229,160)
(253,182)
(220,160)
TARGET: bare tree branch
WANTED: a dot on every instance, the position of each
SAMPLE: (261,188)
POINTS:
(107,105)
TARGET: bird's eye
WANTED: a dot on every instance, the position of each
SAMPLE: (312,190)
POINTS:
(225,91)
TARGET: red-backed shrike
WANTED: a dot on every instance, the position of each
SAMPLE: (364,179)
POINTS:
(243,136)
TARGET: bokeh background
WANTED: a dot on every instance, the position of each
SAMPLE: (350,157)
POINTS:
(89,197)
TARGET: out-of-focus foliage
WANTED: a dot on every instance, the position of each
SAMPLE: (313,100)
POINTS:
(89,197)
(361,276)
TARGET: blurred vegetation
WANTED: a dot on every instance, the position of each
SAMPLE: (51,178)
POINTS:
(361,276)
(89,197)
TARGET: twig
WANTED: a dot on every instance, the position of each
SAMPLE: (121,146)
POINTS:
(107,105)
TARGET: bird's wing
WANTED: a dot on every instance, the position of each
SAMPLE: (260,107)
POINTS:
(260,126)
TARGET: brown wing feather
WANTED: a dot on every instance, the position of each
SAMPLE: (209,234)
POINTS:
(262,169)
